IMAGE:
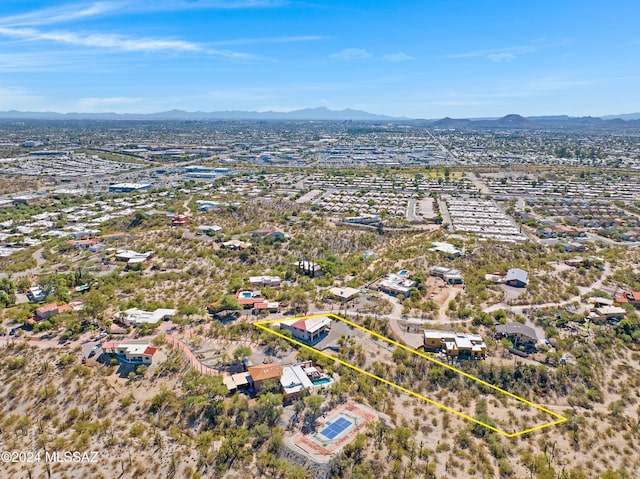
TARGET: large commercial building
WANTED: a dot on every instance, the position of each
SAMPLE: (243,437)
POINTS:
(129,187)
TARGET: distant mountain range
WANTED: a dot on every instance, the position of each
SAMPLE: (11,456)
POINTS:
(320,113)
(540,122)
(324,114)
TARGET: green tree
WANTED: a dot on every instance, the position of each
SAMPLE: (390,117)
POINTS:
(241,352)
(95,304)
(23,284)
(188,309)
(314,403)
(268,409)
(5,300)
(226,303)
(55,288)
(299,303)
(7,293)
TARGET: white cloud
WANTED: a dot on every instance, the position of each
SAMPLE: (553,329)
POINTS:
(76,11)
(119,42)
(501,57)
(44,61)
(60,14)
(263,40)
(398,57)
(349,54)
(100,40)
(496,55)
(213,4)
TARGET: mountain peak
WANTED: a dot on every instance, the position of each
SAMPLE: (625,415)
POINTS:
(513,120)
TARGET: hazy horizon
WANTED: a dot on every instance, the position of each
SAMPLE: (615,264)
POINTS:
(319,113)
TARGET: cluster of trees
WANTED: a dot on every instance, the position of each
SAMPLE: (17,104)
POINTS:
(7,293)
(579,152)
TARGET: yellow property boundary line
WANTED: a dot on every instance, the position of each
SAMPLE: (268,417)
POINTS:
(561,419)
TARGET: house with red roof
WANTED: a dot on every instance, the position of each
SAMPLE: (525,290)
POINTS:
(179,220)
(268,306)
(263,372)
(248,298)
(131,352)
(51,309)
(114,236)
(272,231)
(308,329)
(632,298)
(85,243)
(252,299)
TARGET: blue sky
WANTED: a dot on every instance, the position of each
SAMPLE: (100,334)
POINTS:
(421,59)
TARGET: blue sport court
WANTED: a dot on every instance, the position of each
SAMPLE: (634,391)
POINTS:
(333,429)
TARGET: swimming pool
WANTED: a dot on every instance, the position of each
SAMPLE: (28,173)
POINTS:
(245,294)
(318,382)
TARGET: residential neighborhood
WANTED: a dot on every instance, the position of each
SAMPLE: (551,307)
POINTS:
(225,292)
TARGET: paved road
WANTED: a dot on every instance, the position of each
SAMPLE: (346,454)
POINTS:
(443,148)
(37,255)
(185,205)
(478,183)
(186,234)
(610,242)
(410,215)
(444,211)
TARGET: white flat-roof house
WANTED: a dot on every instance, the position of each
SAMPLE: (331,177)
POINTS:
(35,294)
(300,377)
(135,316)
(132,257)
(395,284)
(449,275)
(446,248)
(265,281)
(294,380)
(344,293)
